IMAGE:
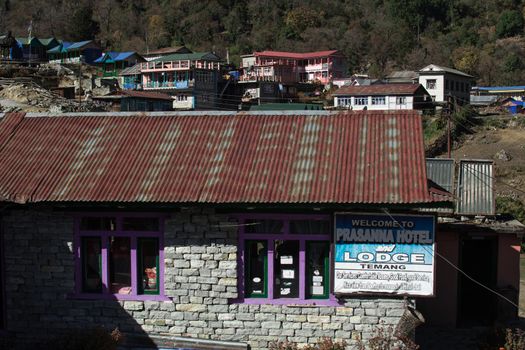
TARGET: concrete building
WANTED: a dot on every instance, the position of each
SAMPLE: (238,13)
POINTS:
(444,83)
(293,67)
(192,79)
(382,97)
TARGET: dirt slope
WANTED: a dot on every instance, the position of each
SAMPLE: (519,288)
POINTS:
(487,142)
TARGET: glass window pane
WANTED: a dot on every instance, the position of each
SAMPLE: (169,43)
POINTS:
(91,264)
(286,269)
(98,224)
(148,255)
(317,269)
(140,224)
(256,269)
(263,226)
(120,265)
(310,227)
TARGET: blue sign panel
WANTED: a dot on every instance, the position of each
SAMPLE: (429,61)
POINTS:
(384,253)
(181,84)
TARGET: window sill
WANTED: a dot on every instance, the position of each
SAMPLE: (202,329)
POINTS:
(118,297)
(332,301)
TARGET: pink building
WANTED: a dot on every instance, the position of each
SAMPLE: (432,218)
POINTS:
(293,67)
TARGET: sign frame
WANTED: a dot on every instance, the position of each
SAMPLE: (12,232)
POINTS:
(383,293)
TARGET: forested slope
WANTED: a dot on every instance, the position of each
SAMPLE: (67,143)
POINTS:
(483,38)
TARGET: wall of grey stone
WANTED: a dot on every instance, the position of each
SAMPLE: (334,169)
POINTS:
(200,280)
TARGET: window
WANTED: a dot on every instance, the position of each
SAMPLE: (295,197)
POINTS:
(446,84)
(344,101)
(431,83)
(378,100)
(119,256)
(182,98)
(401,100)
(360,101)
(285,258)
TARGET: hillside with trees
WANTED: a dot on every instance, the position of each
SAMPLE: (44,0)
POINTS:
(483,38)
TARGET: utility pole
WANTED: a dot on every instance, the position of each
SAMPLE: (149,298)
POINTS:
(449,117)
(80,82)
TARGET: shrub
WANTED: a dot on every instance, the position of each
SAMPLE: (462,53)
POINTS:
(514,339)
(283,345)
(323,343)
(326,343)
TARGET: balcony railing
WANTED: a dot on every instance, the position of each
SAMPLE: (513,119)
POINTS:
(110,74)
(181,84)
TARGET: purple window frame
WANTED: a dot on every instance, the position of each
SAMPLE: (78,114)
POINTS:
(134,236)
(270,240)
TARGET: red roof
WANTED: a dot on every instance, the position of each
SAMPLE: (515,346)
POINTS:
(296,55)
(221,157)
(378,89)
(145,94)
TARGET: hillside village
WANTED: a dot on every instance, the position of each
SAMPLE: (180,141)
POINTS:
(172,199)
(177,78)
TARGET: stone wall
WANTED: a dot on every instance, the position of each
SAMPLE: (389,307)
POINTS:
(200,280)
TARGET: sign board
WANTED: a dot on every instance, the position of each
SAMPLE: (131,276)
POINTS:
(382,253)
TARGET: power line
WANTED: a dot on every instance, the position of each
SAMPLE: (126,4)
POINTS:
(457,268)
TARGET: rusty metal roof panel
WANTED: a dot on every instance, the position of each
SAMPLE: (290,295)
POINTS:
(476,188)
(441,171)
(352,157)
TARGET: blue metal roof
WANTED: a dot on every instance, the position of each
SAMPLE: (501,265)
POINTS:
(114,56)
(79,44)
(495,88)
(63,47)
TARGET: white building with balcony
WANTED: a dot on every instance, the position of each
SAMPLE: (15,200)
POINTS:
(443,83)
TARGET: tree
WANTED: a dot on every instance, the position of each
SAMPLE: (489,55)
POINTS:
(300,18)
(466,58)
(81,25)
(510,23)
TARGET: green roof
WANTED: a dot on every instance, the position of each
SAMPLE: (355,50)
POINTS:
(208,56)
(47,41)
(25,41)
(287,106)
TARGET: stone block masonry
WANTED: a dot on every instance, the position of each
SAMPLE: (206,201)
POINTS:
(200,258)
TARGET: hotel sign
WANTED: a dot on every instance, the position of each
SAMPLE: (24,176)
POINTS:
(382,253)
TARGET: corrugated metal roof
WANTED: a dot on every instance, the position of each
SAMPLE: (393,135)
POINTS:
(79,44)
(441,171)
(483,100)
(296,55)
(194,56)
(476,188)
(145,94)
(133,70)
(378,89)
(434,68)
(517,88)
(168,50)
(352,157)
(114,56)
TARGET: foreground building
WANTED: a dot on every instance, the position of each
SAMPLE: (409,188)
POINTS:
(239,228)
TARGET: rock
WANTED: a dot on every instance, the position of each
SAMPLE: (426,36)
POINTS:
(503,155)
